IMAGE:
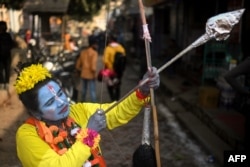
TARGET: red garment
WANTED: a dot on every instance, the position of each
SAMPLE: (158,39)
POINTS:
(106,73)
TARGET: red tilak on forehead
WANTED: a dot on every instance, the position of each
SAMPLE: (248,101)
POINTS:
(51,88)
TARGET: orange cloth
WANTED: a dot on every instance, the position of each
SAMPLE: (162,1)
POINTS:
(67,42)
(87,63)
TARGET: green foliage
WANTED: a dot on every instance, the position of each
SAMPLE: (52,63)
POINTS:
(84,10)
(12,4)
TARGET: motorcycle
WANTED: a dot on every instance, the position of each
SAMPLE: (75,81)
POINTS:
(62,67)
(36,53)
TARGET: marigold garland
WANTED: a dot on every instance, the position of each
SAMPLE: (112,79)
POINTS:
(60,140)
(30,76)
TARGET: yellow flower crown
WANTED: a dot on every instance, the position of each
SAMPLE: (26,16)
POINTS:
(30,76)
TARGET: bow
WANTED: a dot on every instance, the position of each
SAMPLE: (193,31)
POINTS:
(217,27)
(147,40)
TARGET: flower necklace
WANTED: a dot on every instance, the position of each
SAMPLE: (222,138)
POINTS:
(60,139)
(64,137)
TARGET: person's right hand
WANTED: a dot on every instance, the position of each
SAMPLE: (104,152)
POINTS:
(97,121)
(153,82)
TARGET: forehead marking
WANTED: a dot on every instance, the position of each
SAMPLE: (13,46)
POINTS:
(52,90)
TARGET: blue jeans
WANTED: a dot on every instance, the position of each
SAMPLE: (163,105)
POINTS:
(91,83)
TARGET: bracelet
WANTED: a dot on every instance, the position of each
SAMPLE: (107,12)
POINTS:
(89,137)
(140,95)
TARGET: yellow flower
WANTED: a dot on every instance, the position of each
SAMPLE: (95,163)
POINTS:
(30,76)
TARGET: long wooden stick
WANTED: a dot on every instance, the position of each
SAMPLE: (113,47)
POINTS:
(147,40)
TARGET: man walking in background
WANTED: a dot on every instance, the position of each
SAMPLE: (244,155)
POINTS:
(87,65)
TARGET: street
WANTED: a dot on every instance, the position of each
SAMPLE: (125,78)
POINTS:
(178,148)
(195,125)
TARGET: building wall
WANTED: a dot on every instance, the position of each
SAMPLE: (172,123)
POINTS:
(13,18)
(185,21)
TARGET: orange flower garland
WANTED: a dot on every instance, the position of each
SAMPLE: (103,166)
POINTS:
(87,136)
(60,140)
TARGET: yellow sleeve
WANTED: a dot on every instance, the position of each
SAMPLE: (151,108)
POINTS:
(124,111)
(119,115)
(34,152)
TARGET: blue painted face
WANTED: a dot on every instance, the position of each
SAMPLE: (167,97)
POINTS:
(53,102)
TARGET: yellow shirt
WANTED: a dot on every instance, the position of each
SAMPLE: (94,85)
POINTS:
(109,54)
(33,151)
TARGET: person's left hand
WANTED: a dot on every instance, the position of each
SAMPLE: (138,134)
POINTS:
(97,121)
(153,82)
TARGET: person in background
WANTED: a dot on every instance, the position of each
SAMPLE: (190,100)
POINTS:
(243,91)
(87,65)
(73,46)
(66,45)
(28,36)
(110,51)
(84,38)
(6,45)
(59,133)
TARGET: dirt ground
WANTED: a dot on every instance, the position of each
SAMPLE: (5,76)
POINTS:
(11,116)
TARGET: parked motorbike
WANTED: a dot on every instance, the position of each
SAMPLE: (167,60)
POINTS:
(36,52)
(62,67)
